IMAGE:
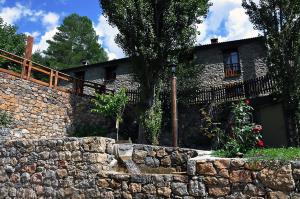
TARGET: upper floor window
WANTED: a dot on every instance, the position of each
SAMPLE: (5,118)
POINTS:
(110,73)
(232,67)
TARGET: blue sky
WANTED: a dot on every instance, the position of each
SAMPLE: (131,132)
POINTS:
(40,18)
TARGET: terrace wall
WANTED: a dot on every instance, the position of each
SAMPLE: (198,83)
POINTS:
(80,168)
(39,111)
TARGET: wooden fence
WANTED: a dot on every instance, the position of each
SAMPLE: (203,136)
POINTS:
(37,73)
(252,88)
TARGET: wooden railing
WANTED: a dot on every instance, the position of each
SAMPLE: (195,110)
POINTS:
(252,88)
(37,73)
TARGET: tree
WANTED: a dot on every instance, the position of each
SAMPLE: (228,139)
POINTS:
(12,42)
(153,32)
(280,21)
(38,57)
(76,40)
(111,105)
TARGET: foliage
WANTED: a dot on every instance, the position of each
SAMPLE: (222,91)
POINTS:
(76,40)
(5,119)
(244,135)
(89,130)
(153,121)
(152,33)
(279,20)
(10,40)
(212,130)
(38,57)
(283,154)
(111,105)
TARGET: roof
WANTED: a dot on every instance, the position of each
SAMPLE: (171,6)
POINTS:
(229,43)
(101,64)
(225,44)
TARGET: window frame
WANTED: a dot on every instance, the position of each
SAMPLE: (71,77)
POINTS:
(233,69)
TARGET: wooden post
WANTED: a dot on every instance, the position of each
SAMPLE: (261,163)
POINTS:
(56,79)
(28,54)
(51,78)
(29,70)
(174,113)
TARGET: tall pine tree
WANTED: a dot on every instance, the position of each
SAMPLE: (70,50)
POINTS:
(76,40)
(280,21)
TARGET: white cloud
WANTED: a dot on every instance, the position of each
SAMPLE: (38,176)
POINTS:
(107,35)
(42,44)
(11,14)
(34,34)
(50,20)
(226,20)
(2,1)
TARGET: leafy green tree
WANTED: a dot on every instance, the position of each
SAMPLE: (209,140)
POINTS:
(10,40)
(153,32)
(38,57)
(76,40)
(111,105)
(280,21)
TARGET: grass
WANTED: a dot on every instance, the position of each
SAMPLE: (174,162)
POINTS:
(281,154)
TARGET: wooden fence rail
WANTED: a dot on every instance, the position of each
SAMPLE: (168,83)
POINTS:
(35,72)
(252,88)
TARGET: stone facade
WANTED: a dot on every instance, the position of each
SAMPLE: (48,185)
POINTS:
(39,111)
(96,73)
(81,168)
(252,54)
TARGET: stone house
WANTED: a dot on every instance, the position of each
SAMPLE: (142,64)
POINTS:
(224,63)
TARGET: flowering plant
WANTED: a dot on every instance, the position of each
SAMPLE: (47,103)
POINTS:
(244,135)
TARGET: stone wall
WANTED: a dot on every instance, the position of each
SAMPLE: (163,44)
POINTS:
(52,168)
(252,54)
(164,157)
(252,61)
(81,168)
(39,111)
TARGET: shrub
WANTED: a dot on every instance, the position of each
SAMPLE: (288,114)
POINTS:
(244,135)
(5,119)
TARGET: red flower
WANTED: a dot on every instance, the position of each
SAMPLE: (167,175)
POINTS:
(257,128)
(260,143)
(247,101)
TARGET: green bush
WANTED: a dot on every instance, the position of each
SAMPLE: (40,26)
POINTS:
(244,135)
(5,119)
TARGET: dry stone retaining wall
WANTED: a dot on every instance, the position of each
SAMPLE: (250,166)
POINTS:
(81,168)
(39,111)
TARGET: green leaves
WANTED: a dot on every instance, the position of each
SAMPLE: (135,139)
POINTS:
(10,40)
(75,41)
(111,105)
(5,119)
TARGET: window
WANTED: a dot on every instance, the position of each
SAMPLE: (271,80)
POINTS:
(110,73)
(232,66)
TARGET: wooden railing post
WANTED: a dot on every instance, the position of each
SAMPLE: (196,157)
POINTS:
(56,79)
(29,70)
(51,78)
